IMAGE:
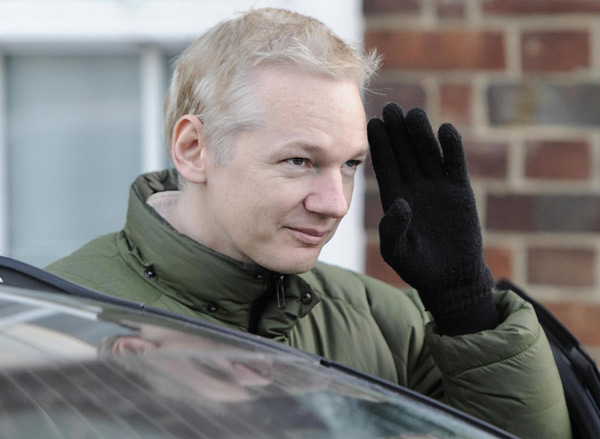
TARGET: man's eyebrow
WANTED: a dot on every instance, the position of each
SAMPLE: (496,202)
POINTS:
(363,152)
(306,147)
(315,149)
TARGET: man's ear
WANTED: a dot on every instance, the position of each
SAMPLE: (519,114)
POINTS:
(188,151)
(133,345)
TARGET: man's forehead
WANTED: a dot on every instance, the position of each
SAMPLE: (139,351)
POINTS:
(310,113)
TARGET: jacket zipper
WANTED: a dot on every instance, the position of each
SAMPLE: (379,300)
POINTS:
(280,291)
(259,304)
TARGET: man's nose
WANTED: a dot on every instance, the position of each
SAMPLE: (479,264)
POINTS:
(330,195)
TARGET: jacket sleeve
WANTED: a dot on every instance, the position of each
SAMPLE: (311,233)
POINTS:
(506,376)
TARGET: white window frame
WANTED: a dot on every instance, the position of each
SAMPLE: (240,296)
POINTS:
(3,164)
(154,29)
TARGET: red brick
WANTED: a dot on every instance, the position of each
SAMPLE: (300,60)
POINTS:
(536,213)
(545,7)
(499,260)
(486,159)
(582,319)
(544,103)
(439,50)
(561,266)
(455,105)
(558,160)
(371,7)
(509,212)
(377,267)
(562,51)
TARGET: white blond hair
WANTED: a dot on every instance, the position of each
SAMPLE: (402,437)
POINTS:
(212,75)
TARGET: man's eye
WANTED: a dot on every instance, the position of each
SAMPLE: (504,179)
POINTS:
(297,161)
(353,163)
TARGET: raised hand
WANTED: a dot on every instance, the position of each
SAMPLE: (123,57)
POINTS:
(430,233)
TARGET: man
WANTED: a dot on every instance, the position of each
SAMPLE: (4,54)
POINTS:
(265,125)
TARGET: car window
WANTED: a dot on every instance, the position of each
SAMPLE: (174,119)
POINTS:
(74,370)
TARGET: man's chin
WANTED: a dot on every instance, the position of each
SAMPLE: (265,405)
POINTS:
(292,268)
(289,265)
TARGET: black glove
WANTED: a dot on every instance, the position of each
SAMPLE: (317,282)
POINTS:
(430,233)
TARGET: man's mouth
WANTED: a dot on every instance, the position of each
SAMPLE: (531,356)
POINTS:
(309,236)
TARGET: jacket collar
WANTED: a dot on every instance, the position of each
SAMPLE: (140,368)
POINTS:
(202,279)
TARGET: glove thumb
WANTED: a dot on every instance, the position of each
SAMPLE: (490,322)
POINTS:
(395,222)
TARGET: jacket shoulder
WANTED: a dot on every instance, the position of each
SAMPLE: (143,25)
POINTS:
(98,265)
(100,250)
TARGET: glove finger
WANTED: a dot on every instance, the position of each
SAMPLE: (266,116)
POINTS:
(384,162)
(427,148)
(392,231)
(404,148)
(455,162)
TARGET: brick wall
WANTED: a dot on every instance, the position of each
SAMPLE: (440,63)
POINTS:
(521,81)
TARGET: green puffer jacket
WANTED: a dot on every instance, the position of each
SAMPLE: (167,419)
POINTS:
(506,376)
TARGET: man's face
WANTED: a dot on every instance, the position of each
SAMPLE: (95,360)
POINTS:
(286,186)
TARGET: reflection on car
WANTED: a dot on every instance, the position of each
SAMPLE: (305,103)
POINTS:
(79,364)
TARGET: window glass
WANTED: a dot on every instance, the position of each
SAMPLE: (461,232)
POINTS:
(73,133)
(71,364)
